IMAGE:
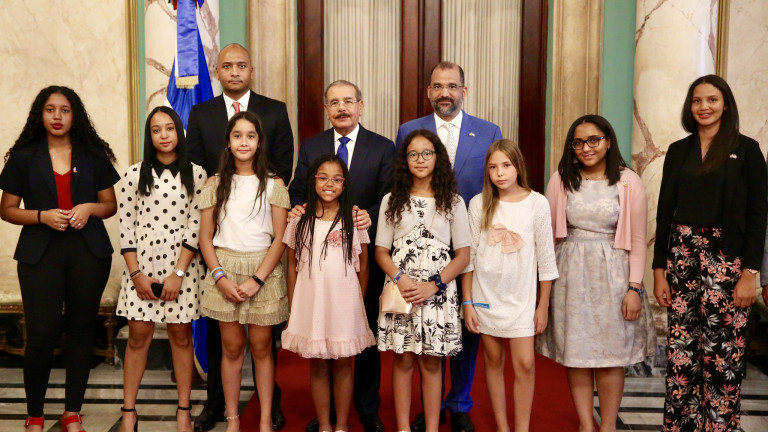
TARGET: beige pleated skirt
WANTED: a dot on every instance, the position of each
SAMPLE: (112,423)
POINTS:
(269,306)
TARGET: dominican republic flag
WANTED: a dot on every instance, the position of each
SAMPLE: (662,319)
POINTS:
(190,84)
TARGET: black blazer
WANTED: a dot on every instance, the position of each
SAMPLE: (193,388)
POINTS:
(745,207)
(29,175)
(208,123)
(370,177)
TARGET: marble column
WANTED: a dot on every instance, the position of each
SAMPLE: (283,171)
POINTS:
(747,67)
(272,43)
(160,46)
(577,53)
(675,44)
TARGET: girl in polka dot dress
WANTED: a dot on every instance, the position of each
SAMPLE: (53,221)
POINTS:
(159,225)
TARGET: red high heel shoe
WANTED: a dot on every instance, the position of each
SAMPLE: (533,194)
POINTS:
(74,418)
(34,421)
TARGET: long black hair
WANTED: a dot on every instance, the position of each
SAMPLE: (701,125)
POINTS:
(305,229)
(443,181)
(146,180)
(727,136)
(261,165)
(82,134)
(569,167)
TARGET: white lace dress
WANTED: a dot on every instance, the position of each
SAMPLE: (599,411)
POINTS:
(504,284)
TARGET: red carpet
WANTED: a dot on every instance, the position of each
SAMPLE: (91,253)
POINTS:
(553,408)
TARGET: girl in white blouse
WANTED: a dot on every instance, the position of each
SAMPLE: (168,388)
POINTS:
(511,242)
(244,214)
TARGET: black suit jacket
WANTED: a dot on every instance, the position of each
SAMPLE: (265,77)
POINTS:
(29,175)
(744,203)
(208,123)
(370,177)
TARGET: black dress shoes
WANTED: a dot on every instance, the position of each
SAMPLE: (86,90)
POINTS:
(371,423)
(314,425)
(278,419)
(208,419)
(460,422)
(419,424)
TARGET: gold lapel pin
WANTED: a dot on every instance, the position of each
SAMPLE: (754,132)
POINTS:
(471,134)
(74,170)
(733,156)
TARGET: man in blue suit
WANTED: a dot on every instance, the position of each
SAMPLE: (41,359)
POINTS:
(369,157)
(466,138)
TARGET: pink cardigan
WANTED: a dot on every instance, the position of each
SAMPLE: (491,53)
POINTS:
(633,213)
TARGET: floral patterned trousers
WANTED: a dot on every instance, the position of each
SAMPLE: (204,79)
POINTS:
(705,343)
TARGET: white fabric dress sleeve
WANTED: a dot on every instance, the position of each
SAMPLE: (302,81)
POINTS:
(191,237)
(475,214)
(545,247)
(385,232)
(460,235)
(129,208)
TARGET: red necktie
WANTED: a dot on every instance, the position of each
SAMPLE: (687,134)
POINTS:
(236,106)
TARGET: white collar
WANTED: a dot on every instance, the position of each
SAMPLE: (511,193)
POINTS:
(352,135)
(243,101)
(456,120)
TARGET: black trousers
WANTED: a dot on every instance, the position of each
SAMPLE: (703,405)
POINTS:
(67,274)
(214,386)
(367,374)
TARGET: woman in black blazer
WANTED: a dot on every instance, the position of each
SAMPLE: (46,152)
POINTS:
(710,231)
(62,170)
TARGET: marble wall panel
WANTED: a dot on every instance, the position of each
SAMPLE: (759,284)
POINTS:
(675,44)
(80,44)
(747,66)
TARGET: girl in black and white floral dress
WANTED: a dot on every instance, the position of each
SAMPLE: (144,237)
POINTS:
(417,222)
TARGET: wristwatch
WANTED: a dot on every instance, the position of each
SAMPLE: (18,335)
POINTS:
(179,273)
(639,291)
(441,286)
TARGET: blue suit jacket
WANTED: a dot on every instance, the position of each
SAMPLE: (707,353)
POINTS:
(475,137)
(370,177)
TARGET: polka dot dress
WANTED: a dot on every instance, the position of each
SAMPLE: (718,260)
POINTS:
(157,227)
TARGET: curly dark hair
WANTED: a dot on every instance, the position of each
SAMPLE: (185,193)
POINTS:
(82,134)
(146,181)
(443,181)
(305,229)
(261,165)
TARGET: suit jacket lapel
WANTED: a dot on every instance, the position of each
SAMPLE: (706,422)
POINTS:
(45,167)
(466,143)
(360,155)
(74,177)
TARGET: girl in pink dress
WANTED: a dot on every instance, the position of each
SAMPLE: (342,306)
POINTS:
(327,266)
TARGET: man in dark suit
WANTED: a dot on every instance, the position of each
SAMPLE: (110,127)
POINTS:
(369,157)
(205,138)
(467,139)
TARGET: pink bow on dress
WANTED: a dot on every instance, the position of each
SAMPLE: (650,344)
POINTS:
(510,240)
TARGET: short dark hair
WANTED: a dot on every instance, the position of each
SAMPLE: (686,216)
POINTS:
(443,65)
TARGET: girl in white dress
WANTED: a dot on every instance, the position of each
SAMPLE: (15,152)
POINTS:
(511,242)
(244,214)
(159,224)
(418,221)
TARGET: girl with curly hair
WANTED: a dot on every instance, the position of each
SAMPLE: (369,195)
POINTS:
(62,170)
(418,221)
(244,214)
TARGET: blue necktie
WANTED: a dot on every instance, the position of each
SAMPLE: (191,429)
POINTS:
(343,153)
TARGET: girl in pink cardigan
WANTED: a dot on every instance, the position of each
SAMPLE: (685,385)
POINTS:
(599,319)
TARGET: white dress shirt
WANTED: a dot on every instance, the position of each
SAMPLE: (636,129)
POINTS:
(243,101)
(442,132)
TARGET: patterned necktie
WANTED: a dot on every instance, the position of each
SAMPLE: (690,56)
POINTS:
(450,142)
(343,153)
(236,106)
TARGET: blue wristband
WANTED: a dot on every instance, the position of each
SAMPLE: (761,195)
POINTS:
(397,276)
(467,302)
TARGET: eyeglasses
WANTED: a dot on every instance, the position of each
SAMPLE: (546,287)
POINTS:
(592,142)
(336,104)
(338,181)
(451,87)
(413,156)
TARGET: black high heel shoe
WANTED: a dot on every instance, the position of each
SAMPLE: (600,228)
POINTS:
(187,409)
(133,410)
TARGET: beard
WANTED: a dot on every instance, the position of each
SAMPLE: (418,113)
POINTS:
(445,110)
